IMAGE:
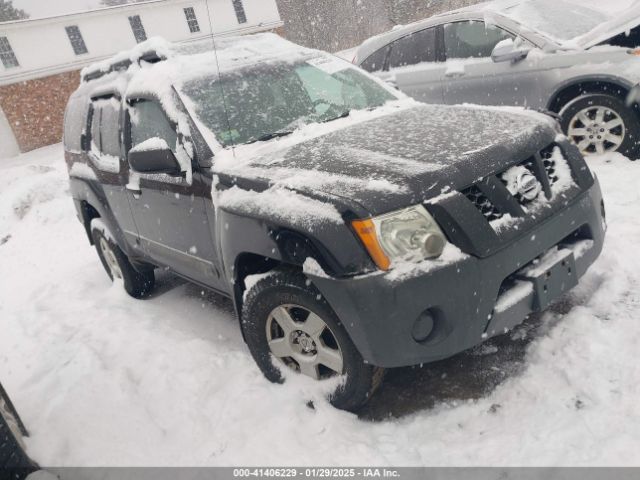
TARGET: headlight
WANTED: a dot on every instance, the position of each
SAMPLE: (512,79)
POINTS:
(409,235)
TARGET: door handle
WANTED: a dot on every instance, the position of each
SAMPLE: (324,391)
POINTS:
(454,74)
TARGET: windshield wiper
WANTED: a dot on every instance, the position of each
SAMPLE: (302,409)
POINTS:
(271,136)
(344,114)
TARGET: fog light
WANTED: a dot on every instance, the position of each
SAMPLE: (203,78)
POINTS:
(423,326)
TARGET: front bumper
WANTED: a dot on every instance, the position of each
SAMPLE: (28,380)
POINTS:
(468,300)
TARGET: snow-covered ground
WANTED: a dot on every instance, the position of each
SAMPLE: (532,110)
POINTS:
(102,379)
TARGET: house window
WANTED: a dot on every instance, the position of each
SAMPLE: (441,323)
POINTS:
(192,20)
(77,42)
(7,56)
(138,28)
(240,13)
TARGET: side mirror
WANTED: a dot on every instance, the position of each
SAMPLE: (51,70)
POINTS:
(154,156)
(508,51)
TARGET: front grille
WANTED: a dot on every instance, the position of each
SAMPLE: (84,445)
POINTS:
(549,165)
(482,203)
(517,199)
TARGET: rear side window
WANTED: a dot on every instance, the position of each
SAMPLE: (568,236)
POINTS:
(110,127)
(74,124)
(148,120)
(95,129)
(105,136)
(375,62)
(416,48)
(472,39)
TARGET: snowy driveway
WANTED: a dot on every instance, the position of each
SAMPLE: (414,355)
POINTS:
(102,379)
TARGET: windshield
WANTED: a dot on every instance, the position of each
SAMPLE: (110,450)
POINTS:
(274,99)
(556,19)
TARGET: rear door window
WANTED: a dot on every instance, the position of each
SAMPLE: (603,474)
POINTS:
(95,129)
(472,39)
(105,134)
(376,61)
(419,47)
(75,120)
(110,126)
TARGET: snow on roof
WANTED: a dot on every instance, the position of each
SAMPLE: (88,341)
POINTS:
(230,52)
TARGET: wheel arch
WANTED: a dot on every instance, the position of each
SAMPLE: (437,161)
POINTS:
(292,251)
(90,203)
(88,212)
(247,264)
(250,246)
(576,87)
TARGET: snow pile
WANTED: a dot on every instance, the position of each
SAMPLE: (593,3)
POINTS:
(281,205)
(403,270)
(82,170)
(102,379)
(151,144)
(514,295)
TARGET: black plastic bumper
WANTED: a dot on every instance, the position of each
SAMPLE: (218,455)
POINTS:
(463,303)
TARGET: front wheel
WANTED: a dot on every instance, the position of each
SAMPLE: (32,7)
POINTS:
(600,123)
(287,324)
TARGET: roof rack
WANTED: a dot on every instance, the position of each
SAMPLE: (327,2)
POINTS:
(118,64)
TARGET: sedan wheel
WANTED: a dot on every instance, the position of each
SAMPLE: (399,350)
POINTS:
(304,342)
(597,129)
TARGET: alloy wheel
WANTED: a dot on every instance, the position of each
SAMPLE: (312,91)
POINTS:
(110,258)
(304,342)
(597,129)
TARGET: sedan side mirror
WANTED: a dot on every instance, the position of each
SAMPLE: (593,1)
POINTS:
(154,156)
(508,51)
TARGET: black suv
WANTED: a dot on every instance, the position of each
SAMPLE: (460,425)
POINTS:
(354,229)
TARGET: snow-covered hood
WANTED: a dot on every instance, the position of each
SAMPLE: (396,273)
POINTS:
(621,22)
(402,158)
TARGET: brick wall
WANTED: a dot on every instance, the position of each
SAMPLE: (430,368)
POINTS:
(335,25)
(35,108)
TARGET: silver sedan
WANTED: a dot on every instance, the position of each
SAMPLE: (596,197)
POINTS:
(551,55)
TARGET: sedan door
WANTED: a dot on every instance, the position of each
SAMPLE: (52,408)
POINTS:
(471,76)
(415,66)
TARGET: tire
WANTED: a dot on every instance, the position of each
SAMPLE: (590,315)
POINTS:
(137,283)
(291,291)
(614,109)
(14,461)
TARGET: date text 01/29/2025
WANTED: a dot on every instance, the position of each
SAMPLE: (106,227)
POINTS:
(315,473)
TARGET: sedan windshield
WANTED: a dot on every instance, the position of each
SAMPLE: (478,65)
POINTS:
(557,19)
(273,99)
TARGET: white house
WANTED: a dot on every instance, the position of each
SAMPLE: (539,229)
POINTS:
(40,59)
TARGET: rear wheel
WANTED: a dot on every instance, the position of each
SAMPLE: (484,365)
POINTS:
(138,283)
(287,324)
(600,123)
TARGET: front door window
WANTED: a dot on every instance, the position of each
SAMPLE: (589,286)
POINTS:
(473,39)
